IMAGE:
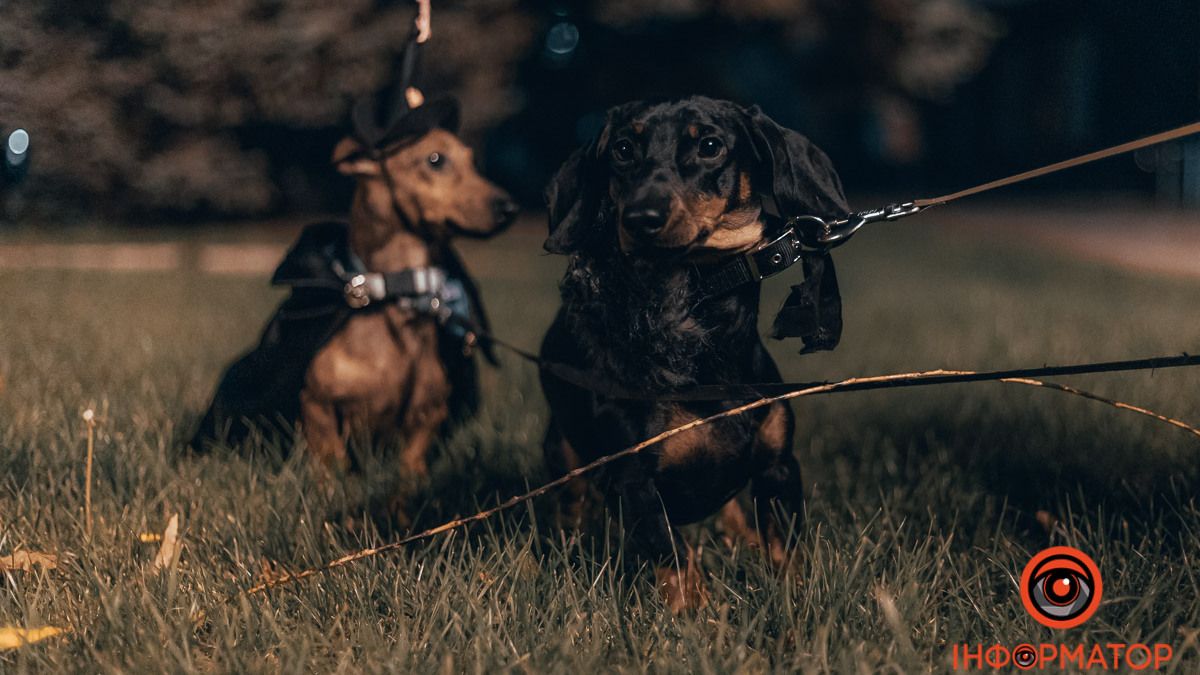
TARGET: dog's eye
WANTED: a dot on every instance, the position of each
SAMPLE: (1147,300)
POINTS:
(437,160)
(622,151)
(710,147)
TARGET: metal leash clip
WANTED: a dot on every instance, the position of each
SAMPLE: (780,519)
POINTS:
(814,232)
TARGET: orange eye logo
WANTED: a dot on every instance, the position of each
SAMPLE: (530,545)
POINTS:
(1061,587)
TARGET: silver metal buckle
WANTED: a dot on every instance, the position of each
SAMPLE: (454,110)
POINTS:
(777,259)
(356,292)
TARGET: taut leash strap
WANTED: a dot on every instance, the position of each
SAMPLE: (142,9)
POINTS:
(1146,142)
(824,234)
(601,385)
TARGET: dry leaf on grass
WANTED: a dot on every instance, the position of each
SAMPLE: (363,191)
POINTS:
(25,560)
(12,637)
(168,553)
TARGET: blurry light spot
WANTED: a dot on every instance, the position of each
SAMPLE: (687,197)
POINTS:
(562,39)
(18,142)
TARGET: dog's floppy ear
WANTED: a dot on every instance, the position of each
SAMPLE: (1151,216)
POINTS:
(570,203)
(575,197)
(800,179)
(799,175)
(351,158)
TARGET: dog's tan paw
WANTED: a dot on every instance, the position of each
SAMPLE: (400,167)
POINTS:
(682,590)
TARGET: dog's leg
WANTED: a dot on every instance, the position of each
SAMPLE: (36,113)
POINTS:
(427,409)
(735,526)
(323,433)
(777,489)
(420,426)
(677,570)
(574,500)
(414,456)
(414,468)
(683,586)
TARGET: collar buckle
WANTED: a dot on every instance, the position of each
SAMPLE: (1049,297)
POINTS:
(776,255)
(356,292)
(363,289)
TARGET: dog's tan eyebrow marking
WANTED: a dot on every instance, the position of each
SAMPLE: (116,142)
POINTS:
(638,127)
(693,130)
(743,188)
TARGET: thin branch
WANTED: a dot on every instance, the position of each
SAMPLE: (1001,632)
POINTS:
(634,449)
(1116,404)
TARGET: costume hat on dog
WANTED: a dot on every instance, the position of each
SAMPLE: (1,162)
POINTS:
(400,113)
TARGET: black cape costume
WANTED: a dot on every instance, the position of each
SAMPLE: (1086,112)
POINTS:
(262,388)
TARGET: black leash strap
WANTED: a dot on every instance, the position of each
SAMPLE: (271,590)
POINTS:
(766,390)
(750,392)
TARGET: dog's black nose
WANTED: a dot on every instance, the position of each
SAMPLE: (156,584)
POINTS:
(644,219)
(505,210)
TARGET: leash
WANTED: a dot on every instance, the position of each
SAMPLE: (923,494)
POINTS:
(1173,134)
(603,386)
(807,234)
(747,392)
(828,235)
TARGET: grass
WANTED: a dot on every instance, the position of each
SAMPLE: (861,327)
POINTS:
(921,499)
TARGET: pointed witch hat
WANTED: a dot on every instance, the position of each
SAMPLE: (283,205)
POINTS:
(400,112)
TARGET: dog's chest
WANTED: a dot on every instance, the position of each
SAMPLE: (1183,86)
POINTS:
(698,469)
(381,361)
(635,327)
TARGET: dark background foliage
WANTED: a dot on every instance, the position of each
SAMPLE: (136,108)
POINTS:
(230,108)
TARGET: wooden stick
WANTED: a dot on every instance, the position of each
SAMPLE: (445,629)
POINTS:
(1116,404)
(634,449)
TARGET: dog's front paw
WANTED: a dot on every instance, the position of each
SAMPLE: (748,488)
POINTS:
(682,590)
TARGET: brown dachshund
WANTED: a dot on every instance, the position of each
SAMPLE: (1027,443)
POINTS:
(393,367)
(382,371)
(649,213)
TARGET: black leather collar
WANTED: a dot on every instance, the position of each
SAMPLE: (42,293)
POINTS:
(765,261)
(813,308)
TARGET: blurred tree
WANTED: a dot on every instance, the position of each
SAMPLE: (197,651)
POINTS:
(923,48)
(158,106)
(858,76)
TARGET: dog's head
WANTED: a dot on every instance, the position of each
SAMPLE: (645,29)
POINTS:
(431,184)
(686,177)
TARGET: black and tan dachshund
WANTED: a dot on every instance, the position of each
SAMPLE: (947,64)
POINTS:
(664,193)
